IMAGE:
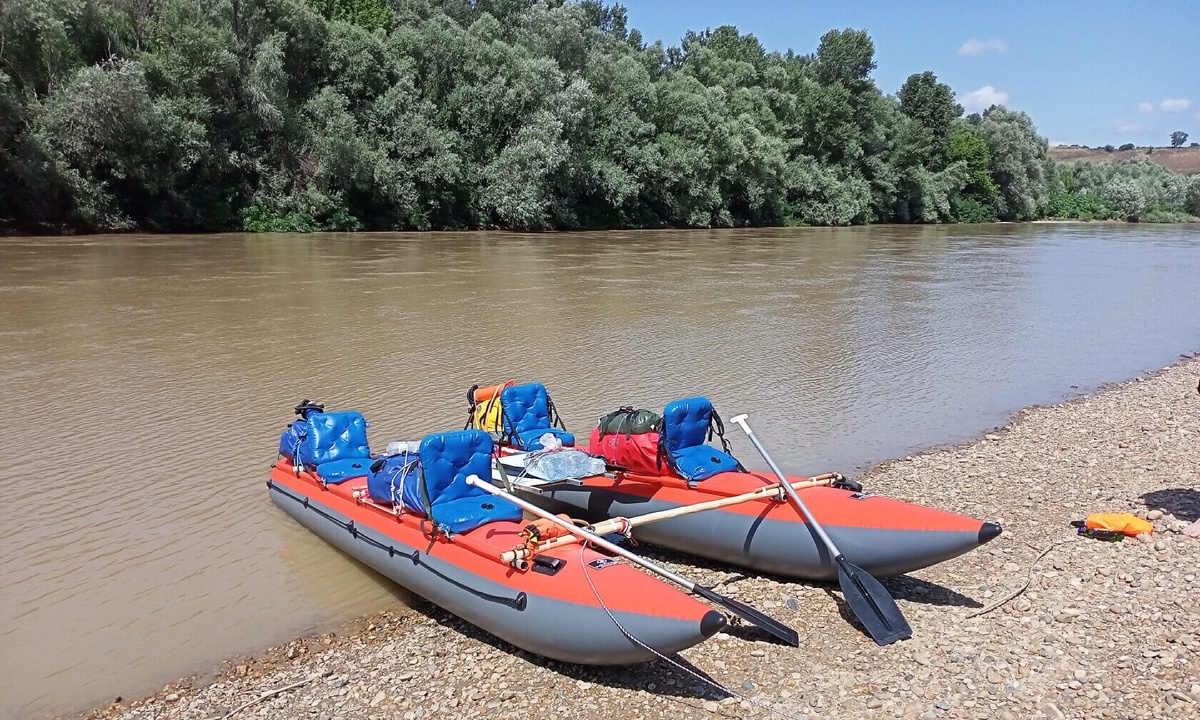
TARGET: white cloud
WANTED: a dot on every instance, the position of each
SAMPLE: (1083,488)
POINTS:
(975,46)
(1175,104)
(1128,127)
(1145,107)
(983,98)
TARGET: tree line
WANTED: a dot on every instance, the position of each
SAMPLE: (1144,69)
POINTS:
(300,115)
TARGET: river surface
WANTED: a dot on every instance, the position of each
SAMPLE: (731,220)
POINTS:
(144,381)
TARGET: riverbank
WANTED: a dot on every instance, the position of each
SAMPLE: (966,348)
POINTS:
(1104,630)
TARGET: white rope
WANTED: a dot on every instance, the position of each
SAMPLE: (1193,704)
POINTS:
(709,681)
(398,499)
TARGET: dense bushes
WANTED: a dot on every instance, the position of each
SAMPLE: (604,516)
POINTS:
(300,115)
(1136,190)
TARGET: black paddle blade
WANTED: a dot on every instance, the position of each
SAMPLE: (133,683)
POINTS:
(872,604)
(750,615)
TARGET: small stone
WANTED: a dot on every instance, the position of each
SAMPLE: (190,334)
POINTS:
(994,676)
(990,436)
(173,697)
(1152,515)
(922,658)
(711,706)
(379,698)
(1051,710)
(874,703)
(758,653)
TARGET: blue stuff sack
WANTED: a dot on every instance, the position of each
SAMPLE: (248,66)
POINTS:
(391,476)
(289,441)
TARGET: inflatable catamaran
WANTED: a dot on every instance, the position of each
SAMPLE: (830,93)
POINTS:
(444,519)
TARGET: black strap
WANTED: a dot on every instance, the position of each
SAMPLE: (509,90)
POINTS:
(471,405)
(307,407)
(506,436)
(425,502)
(557,420)
(627,419)
(720,428)
(664,452)
(715,424)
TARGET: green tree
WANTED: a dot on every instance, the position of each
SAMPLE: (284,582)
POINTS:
(1178,138)
(846,57)
(1127,196)
(931,104)
(1021,167)
(977,201)
(372,15)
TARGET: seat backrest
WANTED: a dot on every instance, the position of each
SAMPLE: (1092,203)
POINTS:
(447,460)
(334,436)
(526,407)
(685,422)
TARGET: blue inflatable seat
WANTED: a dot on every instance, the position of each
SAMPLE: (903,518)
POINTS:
(528,413)
(335,444)
(687,424)
(442,493)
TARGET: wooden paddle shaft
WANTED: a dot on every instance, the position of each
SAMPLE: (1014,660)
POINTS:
(621,524)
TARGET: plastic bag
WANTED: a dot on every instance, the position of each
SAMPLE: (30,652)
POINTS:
(563,464)
(1126,523)
(550,442)
(397,447)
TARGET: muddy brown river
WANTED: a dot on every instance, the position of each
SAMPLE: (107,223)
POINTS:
(144,381)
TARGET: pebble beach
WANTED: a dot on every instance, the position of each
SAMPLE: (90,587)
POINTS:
(1041,622)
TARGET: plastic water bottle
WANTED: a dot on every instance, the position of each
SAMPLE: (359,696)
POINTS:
(565,464)
(397,447)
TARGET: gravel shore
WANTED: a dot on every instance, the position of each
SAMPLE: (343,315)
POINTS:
(1103,630)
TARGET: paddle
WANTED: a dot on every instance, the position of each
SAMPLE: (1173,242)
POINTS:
(868,600)
(745,612)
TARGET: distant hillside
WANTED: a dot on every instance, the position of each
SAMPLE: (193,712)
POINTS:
(1184,159)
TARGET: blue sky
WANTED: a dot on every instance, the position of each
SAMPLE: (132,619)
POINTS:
(1092,73)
